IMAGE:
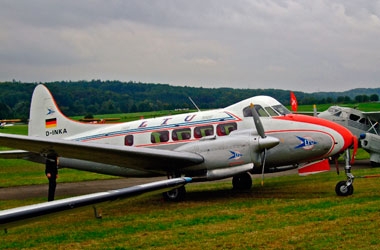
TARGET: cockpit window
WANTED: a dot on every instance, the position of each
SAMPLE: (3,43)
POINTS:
(354,117)
(281,109)
(248,112)
(334,111)
(271,111)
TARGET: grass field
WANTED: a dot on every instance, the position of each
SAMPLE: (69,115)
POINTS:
(289,212)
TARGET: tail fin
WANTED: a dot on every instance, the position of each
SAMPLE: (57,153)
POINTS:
(46,120)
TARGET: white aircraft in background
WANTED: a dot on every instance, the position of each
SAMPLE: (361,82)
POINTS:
(5,123)
(199,146)
(364,125)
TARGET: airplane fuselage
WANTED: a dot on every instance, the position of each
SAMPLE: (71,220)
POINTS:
(302,138)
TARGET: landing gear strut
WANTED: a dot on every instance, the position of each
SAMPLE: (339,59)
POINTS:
(345,188)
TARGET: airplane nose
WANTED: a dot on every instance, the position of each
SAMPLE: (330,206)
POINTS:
(346,140)
(348,137)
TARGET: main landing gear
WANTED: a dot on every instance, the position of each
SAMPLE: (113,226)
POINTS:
(345,188)
(242,181)
(177,194)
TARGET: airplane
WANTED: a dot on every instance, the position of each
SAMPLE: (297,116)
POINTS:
(364,125)
(204,145)
(5,123)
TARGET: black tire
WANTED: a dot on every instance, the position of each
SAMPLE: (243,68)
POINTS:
(242,181)
(341,189)
(375,164)
(176,195)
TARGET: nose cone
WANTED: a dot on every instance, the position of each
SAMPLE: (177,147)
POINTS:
(347,136)
(268,142)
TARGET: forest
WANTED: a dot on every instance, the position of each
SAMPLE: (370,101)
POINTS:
(77,98)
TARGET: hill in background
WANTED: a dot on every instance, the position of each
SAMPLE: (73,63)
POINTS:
(107,97)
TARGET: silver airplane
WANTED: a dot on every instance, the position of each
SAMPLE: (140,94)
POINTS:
(364,125)
(252,136)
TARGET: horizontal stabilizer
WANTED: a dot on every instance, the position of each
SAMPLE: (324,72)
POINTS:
(314,167)
(21,215)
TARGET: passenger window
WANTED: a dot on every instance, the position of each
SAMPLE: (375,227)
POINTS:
(203,131)
(181,134)
(128,140)
(160,136)
(226,128)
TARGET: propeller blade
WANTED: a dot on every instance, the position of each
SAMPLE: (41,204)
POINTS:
(257,121)
(263,167)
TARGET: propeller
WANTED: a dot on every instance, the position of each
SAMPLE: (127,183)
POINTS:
(264,144)
(257,121)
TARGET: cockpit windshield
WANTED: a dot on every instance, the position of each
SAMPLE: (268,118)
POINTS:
(275,110)
(335,111)
(281,110)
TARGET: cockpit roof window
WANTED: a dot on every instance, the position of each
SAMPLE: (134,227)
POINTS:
(281,110)
(247,111)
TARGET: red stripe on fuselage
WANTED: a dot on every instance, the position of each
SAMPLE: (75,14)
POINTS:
(344,132)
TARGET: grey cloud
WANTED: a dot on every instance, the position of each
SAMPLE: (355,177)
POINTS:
(299,45)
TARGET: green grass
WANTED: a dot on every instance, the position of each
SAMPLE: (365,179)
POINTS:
(289,212)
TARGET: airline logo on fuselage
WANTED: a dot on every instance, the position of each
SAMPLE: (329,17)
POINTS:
(306,143)
(235,155)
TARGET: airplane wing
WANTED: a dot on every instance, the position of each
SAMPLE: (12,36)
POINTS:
(147,159)
(21,215)
(375,115)
(14,154)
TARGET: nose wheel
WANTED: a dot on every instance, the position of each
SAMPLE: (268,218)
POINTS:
(346,188)
(342,189)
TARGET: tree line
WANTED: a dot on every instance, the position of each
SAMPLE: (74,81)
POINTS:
(77,98)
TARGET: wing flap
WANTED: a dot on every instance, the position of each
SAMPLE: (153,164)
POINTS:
(123,156)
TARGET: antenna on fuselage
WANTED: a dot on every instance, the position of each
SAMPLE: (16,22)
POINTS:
(194,104)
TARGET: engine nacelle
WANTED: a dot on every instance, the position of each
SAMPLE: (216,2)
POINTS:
(230,155)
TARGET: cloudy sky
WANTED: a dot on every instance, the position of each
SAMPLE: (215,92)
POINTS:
(319,45)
